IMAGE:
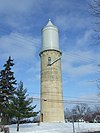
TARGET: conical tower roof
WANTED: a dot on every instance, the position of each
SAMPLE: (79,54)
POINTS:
(50,24)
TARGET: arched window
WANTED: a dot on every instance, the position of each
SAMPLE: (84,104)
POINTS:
(49,60)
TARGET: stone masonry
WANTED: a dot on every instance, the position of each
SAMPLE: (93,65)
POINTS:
(52,109)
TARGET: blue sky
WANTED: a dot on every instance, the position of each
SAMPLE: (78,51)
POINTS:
(21,22)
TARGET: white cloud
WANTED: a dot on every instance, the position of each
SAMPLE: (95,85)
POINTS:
(22,14)
(84,41)
(71,21)
(17,6)
(34,69)
(79,63)
(18,46)
(27,16)
(19,14)
(83,70)
(91,97)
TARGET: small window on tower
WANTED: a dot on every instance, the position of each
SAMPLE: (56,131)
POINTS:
(49,60)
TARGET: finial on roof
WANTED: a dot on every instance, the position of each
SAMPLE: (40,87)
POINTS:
(49,23)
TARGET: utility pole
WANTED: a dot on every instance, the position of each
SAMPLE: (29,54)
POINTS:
(73,125)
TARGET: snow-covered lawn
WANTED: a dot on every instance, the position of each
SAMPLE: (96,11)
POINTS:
(55,127)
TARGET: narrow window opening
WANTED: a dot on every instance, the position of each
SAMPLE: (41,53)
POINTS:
(49,60)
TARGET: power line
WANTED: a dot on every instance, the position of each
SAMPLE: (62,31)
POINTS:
(23,39)
(67,101)
(69,98)
(18,36)
(65,96)
(28,40)
(74,55)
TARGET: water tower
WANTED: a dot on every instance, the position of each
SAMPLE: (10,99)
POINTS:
(51,104)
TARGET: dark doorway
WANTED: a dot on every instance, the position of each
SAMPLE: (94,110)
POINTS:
(42,117)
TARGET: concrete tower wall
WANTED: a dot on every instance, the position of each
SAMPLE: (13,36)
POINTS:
(52,109)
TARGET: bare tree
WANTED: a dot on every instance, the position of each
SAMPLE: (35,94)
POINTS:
(95,11)
(96,114)
(81,110)
(67,114)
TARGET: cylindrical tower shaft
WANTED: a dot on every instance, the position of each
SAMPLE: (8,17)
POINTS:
(52,109)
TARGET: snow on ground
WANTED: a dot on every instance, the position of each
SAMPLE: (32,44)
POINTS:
(55,127)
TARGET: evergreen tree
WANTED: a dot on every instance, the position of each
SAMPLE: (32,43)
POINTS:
(7,87)
(21,106)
